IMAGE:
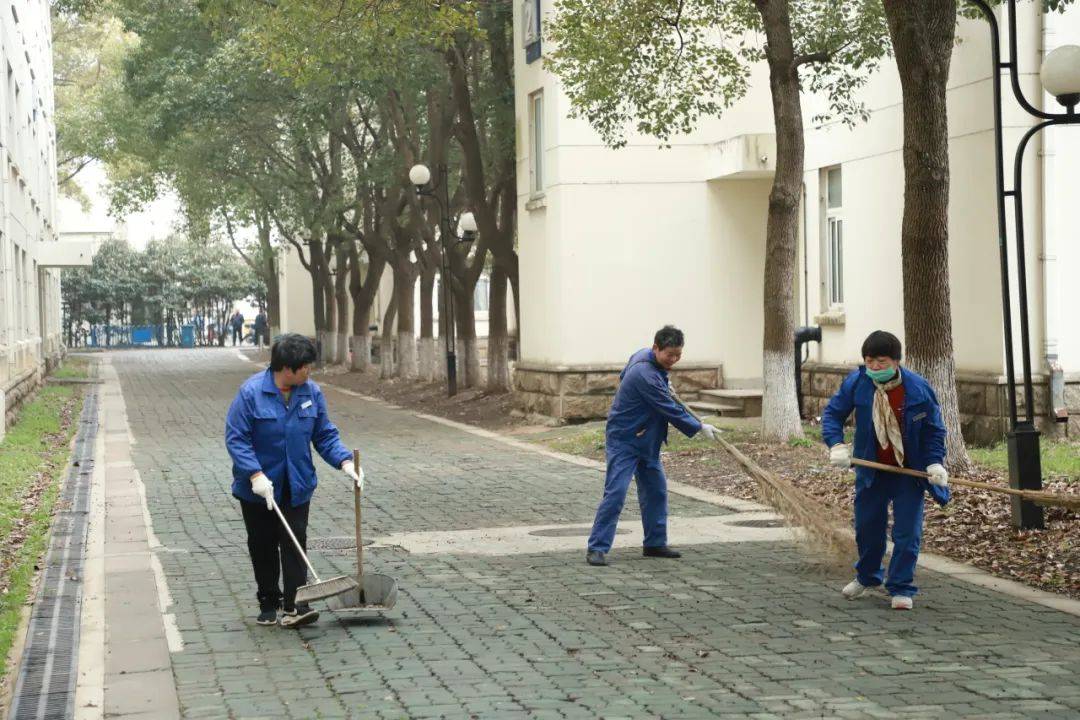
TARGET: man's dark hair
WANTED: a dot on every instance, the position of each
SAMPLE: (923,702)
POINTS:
(882,344)
(669,336)
(292,351)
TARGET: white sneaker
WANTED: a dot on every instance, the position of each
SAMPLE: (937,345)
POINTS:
(854,589)
(901,602)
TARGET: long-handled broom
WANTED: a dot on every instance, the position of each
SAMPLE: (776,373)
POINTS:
(1039,497)
(821,525)
(319,589)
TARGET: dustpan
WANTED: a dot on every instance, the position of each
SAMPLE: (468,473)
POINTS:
(374,593)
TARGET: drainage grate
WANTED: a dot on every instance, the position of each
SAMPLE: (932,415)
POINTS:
(45,689)
(761,523)
(338,545)
(582,531)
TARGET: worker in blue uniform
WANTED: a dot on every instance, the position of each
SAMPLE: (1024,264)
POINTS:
(276,417)
(897,422)
(637,427)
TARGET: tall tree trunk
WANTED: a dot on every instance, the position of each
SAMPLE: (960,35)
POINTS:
(330,305)
(923,35)
(780,408)
(404,287)
(426,345)
(341,300)
(363,292)
(498,346)
(386,342)
(468,354)
(318,280)
(270,275)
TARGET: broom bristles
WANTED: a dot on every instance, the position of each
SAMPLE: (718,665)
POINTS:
(326,588)
(821,525)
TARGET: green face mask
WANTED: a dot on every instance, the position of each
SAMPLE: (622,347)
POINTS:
(881,376)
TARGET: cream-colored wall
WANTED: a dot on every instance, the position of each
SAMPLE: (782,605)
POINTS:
(294,287)
(737,209)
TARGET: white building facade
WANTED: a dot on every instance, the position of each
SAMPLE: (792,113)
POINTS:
(31,253)
(616,243)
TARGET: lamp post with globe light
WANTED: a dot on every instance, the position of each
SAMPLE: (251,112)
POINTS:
(420,177)
(1060,75)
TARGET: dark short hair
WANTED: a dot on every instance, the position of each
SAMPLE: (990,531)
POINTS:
(668,336)
(882,344)
(292,351)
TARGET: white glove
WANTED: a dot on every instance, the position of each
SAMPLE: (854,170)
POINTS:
(356,473)
(261,486)
(710,432)
(840,456)
(938,475)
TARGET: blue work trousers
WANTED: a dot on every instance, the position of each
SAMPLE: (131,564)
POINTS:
(623,463)
(871,521)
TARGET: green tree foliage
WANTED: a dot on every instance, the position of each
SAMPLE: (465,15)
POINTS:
(661,66)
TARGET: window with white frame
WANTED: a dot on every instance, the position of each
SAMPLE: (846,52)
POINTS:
(834,236)
(536,143)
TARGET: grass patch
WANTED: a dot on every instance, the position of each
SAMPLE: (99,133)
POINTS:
(1059,458)
(74,368)
(32,457)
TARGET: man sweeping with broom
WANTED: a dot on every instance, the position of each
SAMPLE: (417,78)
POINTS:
(277,415)
(897,422)
(637,427)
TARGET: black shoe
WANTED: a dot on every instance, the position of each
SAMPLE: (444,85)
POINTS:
(299,616)
(662,551)
(595,557)
(267,617)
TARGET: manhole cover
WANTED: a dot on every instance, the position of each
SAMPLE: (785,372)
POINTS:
(343,544)
(583,531)
(761,523)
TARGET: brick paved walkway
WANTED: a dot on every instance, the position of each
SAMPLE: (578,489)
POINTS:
(743,629)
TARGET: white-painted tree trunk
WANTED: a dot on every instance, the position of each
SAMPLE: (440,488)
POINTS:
(407,366)
(779,402)
(498,370)
(329,347)
(386,357)
(361,357)
(342,357)
(425,349)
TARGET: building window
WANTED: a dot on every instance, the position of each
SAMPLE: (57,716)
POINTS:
(536,143)
(530,29)
(834,236)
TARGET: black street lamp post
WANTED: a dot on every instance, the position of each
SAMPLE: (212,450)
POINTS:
(1061,78)
(420,176)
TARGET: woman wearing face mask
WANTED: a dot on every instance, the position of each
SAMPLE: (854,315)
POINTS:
(897,422)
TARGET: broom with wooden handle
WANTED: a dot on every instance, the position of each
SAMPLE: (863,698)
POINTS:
(821,525)
(1071,502)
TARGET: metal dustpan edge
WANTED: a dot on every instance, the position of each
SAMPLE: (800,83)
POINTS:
(380,595)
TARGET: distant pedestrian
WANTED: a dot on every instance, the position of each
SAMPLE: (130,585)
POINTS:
(637,427)
(237,324)
(262,330)
(275,418)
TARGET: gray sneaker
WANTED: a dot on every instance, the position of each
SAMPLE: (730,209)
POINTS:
(299,616)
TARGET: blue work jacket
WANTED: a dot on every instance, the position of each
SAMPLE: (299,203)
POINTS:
(643,407)
(261,434)
(924,430)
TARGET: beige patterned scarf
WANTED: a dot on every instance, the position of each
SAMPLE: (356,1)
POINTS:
(886,425)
